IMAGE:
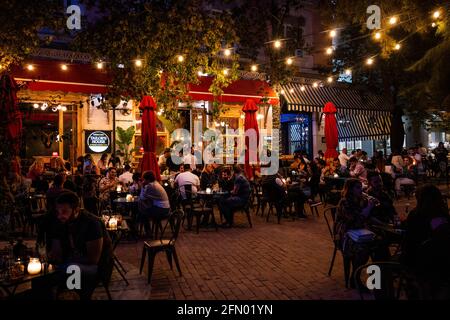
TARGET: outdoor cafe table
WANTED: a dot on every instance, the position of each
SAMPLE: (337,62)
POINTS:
(131,207)
(212,197)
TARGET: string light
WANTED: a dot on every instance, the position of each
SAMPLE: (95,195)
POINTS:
(242,116)
(302,88)
(315,84)
(35,105)
(369,61)
(329,50)
(58,107)
(180,58)
(397,46)
(99,65)
(377,35)
(277,44)
(436,14)
(433,24)
(348,72)
(282,91)
(138,63)
(393,20)
(64,109)
(199,73)
(330,79)
(227,52)
(289,61)
(254,68)
(333,33)
(225,71)
(291,90)
(30,67)
(64,67)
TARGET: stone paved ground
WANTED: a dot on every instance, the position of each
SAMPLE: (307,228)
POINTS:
(268,261)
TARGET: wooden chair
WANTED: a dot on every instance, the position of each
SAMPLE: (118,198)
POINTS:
(151,248)
(193,208)
(330,218)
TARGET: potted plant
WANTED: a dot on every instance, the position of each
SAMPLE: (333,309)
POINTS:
(124,139)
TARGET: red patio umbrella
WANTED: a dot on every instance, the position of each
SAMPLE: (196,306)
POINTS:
(10,115)
(250,122)
(331,131)
(148,161)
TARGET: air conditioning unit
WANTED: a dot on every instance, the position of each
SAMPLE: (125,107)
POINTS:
(299,53)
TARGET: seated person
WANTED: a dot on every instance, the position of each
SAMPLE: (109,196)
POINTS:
(384,211)
(107,185)
(239,196)
(357,170)
(153,201)
(135,187)
(126,177)
(225,181)
(76,237)
(54,191)
(187,177)
(300,167)
(207,177)
(426,248)
(407,176)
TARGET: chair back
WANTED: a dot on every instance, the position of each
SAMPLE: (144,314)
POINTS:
(330,218)
(175,220)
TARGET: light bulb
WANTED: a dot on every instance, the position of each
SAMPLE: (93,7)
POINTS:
(330,79)
(329,51)
(64,67)
(291,90)
(277,44)
(436,14)
(225,71)
(315,84)
(433,24)
(348,72)
(180,58)
(254,68)
(227,52)
(30,67)
(58,107)
(369,61)
(393,20)
(35,106)
(397,46)
(302,88)
(99,65)
(282,91)
(333,33)
(377,35)
(289,61)
(199,73)
(138,63)
(64,108)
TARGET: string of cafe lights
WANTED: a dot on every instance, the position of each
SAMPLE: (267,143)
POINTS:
(277,44)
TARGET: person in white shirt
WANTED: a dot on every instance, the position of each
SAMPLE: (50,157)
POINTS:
(343,157)
(185,178)
(190,159)
(163,158)
(126,177)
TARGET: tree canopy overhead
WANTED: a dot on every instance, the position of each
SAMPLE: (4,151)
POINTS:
(173,41)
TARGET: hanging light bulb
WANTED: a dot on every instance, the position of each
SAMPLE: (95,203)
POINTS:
(282,91)
(330,79)
(199,73)
(315,84)
(254,68)
(289,61)
(99,65)
(436,14)
(242,116)
(397,46)
(54,109)
(64,67)
(348,72)
(180,58)
(138,63)
(302,88)
(64,109)
(393,20)
(277,44)
(35,105)
(59,107)
(225,71)
(30,67)
(433,24)
(227,52)
(44,106)
(369,61)
(333,33)
(329,50)
(291,90)
(377,35)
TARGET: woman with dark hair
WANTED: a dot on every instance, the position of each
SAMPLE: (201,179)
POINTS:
(426,249)
(353,213)
(102,163)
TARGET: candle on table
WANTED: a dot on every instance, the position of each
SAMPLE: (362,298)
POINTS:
(34,266)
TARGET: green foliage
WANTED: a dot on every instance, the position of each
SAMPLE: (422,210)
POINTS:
(157,32)
(124,139)
(20,22)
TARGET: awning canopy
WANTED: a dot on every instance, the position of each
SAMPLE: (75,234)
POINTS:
(47,75)
(360,116)
(237,92)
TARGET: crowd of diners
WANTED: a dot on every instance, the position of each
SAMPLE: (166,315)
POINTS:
(73,232)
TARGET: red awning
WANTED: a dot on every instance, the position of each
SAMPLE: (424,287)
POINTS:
(47,75)
(237,92)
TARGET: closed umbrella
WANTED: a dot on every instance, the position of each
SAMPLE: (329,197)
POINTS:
(250,122)
(9,112)
(149,161)
(331,131)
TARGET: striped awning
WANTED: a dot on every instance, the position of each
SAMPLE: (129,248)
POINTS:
(312,99)
(360,126)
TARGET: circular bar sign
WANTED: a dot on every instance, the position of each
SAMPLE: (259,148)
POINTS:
(98,141)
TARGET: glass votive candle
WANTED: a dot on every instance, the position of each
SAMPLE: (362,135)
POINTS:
(34,266)
(113,223)
(208,190)
(119,188)
(129,197)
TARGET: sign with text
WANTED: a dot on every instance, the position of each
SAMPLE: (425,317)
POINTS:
(97,141)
